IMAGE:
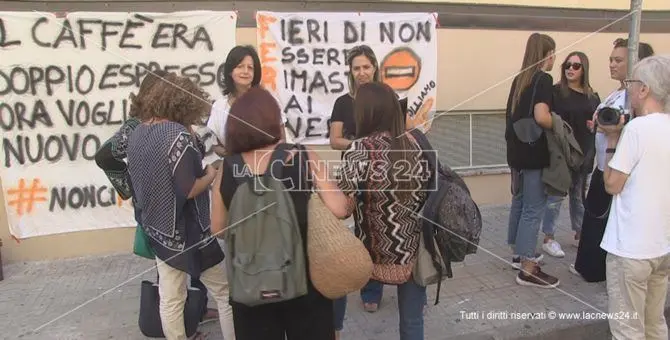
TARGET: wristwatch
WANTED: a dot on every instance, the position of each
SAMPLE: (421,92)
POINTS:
(610,150)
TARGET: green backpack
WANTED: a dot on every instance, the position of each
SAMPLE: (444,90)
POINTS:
(265,258)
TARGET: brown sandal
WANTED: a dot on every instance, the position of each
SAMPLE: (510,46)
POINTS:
(371,307)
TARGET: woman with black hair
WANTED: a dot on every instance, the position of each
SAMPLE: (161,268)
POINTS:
(590,261)
(241,71)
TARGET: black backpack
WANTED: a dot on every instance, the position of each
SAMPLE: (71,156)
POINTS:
(450,215)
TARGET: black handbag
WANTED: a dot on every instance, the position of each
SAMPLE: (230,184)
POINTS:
(150,320)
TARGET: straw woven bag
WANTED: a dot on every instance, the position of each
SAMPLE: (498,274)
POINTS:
(338,261)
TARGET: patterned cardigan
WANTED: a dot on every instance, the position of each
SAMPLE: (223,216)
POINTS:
(112,154)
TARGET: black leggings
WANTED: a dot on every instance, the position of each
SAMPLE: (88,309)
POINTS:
(306,318)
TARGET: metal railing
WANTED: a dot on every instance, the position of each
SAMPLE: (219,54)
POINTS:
(470,140)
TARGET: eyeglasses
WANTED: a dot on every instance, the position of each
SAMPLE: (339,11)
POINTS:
(629,82)
(574,66)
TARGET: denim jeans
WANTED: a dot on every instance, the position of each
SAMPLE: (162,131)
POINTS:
(576,207)
(339,310)
(528,205)
(372,292)
(411,300)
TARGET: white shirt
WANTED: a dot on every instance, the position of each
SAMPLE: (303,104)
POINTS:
(616,99)
(639,220)
(218,117)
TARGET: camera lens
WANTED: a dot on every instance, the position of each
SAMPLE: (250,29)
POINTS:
(608,116)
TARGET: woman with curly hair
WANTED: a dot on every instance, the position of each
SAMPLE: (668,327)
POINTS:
(171,190)
(111,159)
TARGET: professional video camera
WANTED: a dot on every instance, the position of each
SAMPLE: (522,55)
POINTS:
(609,116)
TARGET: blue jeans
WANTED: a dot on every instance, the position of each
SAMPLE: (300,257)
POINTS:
(372,292)
(411,300)
(525,217)
(576,206)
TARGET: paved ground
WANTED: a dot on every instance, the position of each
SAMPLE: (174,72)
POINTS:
(49,295)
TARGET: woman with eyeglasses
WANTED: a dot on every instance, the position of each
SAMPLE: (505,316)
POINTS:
(590,261)
(575,101)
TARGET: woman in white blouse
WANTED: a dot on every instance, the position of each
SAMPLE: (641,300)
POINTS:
(241,71)
(590,260)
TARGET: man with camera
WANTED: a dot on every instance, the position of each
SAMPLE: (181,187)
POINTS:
(637,236)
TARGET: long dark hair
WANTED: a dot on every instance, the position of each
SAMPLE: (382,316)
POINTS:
(235,57)
(584,82)
(366,51)
(538,47)
(377,109)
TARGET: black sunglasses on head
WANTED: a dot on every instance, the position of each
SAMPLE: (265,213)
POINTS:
(574,66)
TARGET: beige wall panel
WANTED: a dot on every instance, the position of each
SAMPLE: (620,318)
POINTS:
(477,66)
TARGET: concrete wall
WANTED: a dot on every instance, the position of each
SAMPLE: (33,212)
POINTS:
(474,74)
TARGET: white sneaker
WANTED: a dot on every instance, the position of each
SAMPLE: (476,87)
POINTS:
(573,270)
(553,248)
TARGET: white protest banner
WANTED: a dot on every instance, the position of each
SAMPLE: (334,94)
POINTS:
(304,63)
(64,87)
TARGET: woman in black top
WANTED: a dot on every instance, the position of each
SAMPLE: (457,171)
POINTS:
(574,101)
(363,69)
(528,115)
(255,136)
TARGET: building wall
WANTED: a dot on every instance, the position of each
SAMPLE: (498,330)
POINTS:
(474,75)
(591,4)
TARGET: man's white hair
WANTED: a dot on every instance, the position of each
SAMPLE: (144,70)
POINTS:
(654,72)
